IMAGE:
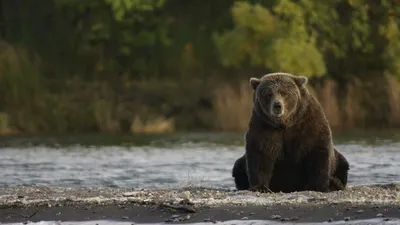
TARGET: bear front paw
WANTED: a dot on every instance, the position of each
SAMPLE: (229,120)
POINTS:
(322,187)
(335,184)
(260,188)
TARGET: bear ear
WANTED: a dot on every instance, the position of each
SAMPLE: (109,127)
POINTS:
(300,80)
(254,82)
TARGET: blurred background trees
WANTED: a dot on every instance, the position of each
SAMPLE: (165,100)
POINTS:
(167,65)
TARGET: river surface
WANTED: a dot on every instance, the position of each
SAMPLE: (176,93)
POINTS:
(231,222)
(200,159)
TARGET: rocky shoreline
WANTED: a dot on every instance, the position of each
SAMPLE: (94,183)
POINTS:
(37,203)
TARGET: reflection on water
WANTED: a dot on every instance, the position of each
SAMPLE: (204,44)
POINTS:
(167,161)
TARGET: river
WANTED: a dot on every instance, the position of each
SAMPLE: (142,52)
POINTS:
(174,160)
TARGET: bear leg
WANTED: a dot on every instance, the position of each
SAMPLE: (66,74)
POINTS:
(342,169)
(339,179)
(240,175)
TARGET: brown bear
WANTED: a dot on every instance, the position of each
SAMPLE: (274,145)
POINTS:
(288,144)
(337,182)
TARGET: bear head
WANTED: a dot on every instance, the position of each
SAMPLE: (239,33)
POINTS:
(277,97)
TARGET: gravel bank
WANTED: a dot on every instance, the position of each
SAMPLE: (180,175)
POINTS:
(198,197)
(196,204)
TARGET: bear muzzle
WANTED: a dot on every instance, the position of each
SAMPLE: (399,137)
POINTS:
(277,108)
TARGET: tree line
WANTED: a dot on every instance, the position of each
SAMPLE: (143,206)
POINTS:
(166,65)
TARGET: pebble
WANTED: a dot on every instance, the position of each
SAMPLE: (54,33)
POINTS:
(130,194)
(294,218)
(125,217)
(347,218)
(330,220)
(177,218)
(284,219)
(245,218)
(379,215)
(174,216)
(360,211)
(275,217)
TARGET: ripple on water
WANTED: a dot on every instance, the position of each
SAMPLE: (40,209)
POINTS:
(175,165)
(230,222)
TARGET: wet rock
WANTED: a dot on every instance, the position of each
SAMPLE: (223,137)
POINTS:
(187,217)
(124,217)
(284,219)
(379,215)
(185,195)
(294,218)
(245,218)
(347,219)
(330,220)
(130,194)
(275,217)
(360,211)
(177,218)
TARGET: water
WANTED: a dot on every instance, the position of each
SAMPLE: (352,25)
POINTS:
(231,222)
(169,160)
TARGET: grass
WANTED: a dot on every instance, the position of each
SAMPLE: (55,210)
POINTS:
(232,105)
(158,124)
(359,105)
(394,100)
(30,104)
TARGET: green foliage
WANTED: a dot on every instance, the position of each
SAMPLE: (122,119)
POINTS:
(58,55)
(21,87)
(252,36)
(122,7)
(278,41)
(295,51)
(127,33)
(392,54)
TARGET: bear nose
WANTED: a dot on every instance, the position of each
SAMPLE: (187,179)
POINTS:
(278,106)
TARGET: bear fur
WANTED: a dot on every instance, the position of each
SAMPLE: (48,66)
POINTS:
(337,182)
(288,143)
